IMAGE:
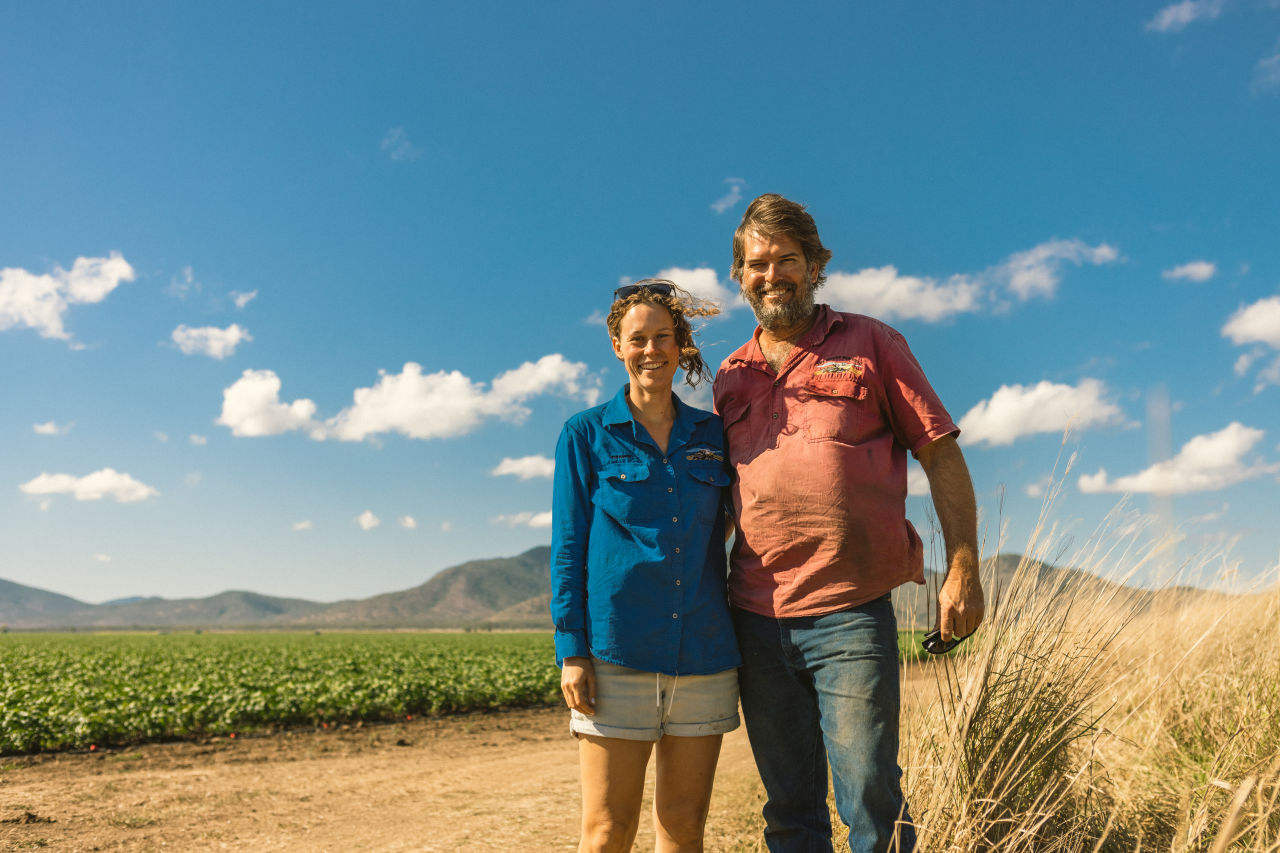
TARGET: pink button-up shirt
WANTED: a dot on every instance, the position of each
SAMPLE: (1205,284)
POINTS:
(820,455)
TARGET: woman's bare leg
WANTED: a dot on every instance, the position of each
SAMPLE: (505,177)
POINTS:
(612,790)
(682,791)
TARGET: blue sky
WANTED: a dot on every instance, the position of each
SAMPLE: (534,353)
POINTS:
(296,297)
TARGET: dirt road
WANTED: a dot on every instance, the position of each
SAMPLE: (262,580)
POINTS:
(502,781)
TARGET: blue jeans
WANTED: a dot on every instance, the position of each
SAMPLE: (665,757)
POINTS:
(821,688)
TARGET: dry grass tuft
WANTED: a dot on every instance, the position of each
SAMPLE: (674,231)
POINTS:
(1090,717)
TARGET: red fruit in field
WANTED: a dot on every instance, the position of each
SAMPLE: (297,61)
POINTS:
(92,747)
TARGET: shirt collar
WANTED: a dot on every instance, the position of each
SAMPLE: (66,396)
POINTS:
(617,411)
(824,321)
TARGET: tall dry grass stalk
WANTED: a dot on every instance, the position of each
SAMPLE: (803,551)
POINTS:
(1088,716)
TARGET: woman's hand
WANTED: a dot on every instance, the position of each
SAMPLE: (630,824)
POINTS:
(578,684)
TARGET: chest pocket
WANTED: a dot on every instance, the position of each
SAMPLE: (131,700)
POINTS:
(624,493)
(833,410)
(706,492)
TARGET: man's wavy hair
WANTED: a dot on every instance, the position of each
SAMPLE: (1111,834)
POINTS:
(681,305)
(771,215)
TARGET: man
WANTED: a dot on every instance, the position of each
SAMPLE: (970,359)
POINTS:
(820,409)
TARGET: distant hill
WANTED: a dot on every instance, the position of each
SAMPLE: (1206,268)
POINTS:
(509,592)
(505,592)
(28,607)
(464,595)
(226,609)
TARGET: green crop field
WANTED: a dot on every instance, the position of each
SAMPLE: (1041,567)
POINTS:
(76,691)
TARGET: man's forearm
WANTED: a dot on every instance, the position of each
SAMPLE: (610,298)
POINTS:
(960,601)
(953,499)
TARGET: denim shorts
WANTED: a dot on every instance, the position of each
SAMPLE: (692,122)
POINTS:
(636,705)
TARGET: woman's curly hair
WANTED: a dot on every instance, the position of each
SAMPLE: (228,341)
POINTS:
(681,305)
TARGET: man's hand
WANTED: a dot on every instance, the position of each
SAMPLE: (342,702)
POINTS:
(578,684)
(961,605)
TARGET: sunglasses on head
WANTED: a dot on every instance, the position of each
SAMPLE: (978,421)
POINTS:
(659,286)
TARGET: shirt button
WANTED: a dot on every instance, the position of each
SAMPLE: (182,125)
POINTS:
(675,519)
(677,550)
(675,615)
(665,462)
(670,490)
(777,382)
(624,476)
(775,416)
(677,582)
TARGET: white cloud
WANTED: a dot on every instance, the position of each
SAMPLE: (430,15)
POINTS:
(526,467)
(198,440)
(1206,463)
(886,295)
(730,198)
(367,520)
(917,481)
(1178,16)
(251,407)
(398,147)
(39,301)
(703,283)
(242,298)
(1269,375)
(51,428)
(699,398)
(102,558)
(408,522)
(525,519)
(446,404)
(1037,271)
(1266,74)
(210,340)
(1257,323)
(1246,360)
(192,479)
(183,284)
(1192,271)
(446,526)
(160,436)
(1211,516)
(301,525)
(107,483)
(1039,487)
(1015,411)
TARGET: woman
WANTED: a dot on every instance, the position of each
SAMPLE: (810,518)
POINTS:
(643,634)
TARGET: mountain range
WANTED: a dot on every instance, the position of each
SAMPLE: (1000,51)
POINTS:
(499,593)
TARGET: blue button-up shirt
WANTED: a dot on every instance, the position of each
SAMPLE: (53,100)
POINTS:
(637,542)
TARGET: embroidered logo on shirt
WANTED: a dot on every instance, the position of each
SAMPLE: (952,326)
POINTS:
(704,455)
(845,368)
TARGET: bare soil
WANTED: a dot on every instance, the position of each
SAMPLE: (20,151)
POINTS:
(498,781)
(506,780)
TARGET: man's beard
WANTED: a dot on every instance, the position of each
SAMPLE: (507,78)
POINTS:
(773,316)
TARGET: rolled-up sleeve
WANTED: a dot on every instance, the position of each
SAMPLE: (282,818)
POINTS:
(915,413)
(570,528)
